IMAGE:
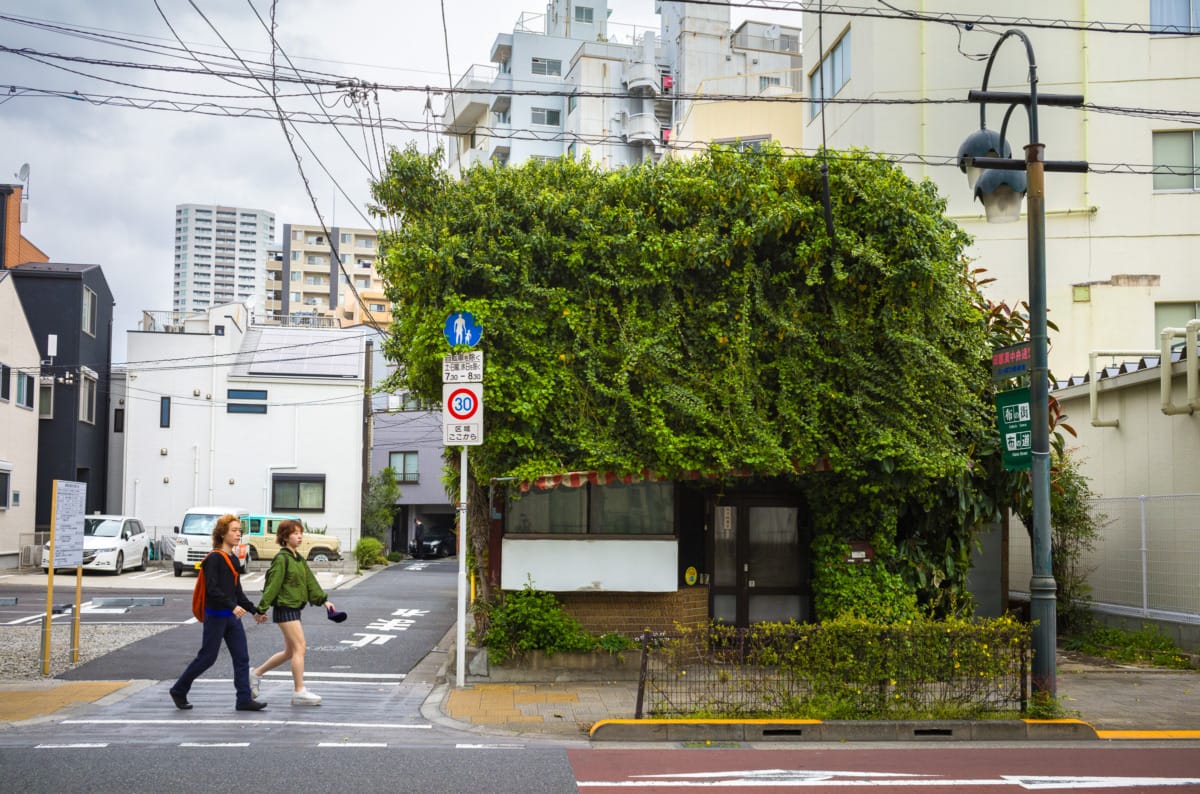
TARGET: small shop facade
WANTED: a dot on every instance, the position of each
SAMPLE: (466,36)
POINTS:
(629,553)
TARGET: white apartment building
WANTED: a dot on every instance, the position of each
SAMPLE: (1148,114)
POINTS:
(220,255)
(20,409)
(306,280)
(570,82)
(223,410)
(1121,248)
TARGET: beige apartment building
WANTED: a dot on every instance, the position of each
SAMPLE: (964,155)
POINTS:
(312,272)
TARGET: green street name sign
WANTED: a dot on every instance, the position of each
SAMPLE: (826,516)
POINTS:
(1016,431)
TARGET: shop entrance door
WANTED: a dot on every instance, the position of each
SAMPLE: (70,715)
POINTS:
(760,561)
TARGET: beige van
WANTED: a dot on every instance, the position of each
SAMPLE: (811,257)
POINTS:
(259,532)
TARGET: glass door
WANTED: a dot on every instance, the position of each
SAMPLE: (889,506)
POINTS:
(760,556)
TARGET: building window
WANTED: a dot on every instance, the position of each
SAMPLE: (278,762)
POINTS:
(767,81)
(246,394)
(583,14)
(1174,16)
(298,492)
(5,484)
(89,312)
(829,77)
(547,116)
(1175,160)
(752,143)
(25,388)
(87,397)
(119,420)
(164,411)
(572,103)
(246,408)
(405,466)
(5,383)
(546,66)
(1175,314)
(46,399)
(645,508)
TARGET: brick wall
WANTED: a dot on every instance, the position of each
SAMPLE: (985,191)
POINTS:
(629,614)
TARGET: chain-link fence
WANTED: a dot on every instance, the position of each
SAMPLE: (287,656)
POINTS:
(1146,561)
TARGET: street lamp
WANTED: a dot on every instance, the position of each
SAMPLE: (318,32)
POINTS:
(1000,183)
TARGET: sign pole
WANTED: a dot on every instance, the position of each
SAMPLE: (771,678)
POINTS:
(49,583)
(460,658)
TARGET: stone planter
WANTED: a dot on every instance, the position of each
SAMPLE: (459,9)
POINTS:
(539,667)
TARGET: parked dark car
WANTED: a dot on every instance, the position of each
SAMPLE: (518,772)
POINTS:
(430,543)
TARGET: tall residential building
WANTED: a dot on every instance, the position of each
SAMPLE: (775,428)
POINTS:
(220,255)
(1121,241)
(570,82)
(304,277)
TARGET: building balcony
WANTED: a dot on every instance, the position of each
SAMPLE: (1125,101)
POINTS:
(643,128)
(464,109)
(643,76)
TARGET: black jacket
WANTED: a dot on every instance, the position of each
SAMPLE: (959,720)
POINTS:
(221,591)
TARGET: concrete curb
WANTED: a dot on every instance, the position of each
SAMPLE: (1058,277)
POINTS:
(839,731)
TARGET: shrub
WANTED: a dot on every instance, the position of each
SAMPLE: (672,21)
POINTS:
(528,620)
(368,552)
(860,589)
(395,556)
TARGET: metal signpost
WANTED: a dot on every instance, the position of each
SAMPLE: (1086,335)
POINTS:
(462,424)
(67,507)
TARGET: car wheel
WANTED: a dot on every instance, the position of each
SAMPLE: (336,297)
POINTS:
(253,554)
(145,558)
(319,555)
(120,566)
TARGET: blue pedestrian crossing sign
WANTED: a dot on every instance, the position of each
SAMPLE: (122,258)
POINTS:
(461,329)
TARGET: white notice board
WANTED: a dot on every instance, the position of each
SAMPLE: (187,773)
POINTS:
(66,528)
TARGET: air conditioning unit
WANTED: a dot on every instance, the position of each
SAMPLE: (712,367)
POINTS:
(31,556)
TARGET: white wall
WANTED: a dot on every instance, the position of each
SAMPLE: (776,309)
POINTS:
(1098,225)
(643,566)
(18,425)
(313,425)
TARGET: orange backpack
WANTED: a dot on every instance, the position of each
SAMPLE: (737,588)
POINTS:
(199,593)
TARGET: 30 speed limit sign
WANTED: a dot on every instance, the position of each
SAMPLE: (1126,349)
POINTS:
(462,414)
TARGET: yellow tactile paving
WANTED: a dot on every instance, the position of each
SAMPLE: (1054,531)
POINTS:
(22,704)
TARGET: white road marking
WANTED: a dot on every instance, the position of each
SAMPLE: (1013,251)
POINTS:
(315,724)
(214,744)
(489,747)
(311,674)
(352,744)
(78,745)
(797,778)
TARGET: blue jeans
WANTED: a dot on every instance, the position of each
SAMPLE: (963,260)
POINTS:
(216,629)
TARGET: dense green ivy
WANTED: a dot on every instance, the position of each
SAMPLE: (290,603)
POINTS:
(694,316)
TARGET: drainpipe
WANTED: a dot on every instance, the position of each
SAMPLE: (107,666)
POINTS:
(1190,364)
(1094,382)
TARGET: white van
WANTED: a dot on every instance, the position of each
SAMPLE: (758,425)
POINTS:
(193,542)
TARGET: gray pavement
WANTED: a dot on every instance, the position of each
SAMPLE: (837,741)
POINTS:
(1103,701)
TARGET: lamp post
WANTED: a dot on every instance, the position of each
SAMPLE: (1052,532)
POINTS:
(999,182)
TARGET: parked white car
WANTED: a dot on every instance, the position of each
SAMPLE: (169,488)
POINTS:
(110,543)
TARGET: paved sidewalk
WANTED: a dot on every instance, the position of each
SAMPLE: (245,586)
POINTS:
(1104,702)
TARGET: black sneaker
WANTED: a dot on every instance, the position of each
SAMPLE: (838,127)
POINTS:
(181,702)
(250,705)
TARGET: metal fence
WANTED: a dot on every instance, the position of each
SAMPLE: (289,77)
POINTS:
(1146,562)
(815,671)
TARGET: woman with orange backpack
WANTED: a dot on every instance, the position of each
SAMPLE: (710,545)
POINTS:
(224,606)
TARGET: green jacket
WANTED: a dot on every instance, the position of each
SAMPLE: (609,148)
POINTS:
(290,583)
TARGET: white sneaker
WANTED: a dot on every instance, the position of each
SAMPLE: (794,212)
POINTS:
(255,685)
(305,698)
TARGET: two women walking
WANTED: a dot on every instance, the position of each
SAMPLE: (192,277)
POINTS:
(290,585)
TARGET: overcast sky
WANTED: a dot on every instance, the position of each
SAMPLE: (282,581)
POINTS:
(104,179)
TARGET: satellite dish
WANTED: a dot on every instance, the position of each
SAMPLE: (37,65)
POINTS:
(23,174)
